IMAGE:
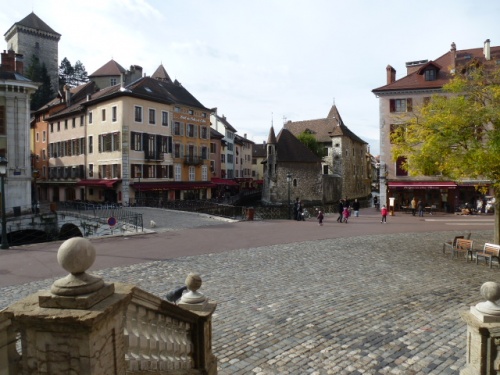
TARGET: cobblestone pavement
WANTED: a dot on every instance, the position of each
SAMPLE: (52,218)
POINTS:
(378,304)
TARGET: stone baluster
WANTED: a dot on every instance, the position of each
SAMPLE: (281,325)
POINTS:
(483,333)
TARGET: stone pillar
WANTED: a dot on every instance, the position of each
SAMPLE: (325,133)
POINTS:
(197,303)
(483,333)
(77,327)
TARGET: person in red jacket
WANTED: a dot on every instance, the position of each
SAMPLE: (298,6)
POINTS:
(383,211)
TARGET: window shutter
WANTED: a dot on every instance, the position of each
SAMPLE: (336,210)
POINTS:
(409,105)
(170,146)
(145,142)
(392,105)
(181,150)
(181,126)
(195,131)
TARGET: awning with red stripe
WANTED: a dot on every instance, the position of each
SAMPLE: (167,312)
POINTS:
(98,182)
(224,181)
(149,186)
(422,184)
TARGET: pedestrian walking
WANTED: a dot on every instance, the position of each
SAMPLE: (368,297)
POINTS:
(413,206)
(340,207)
(355,207)
(300,211)
(295,208)
(383,211)
(420,208)
(345,214)
(320,218)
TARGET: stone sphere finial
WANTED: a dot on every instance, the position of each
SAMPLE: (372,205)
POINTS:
(193,283)
(491,292)
(76,255)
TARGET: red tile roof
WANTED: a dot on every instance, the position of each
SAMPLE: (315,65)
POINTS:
(111,68)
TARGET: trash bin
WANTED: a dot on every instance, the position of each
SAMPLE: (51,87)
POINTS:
(250,213)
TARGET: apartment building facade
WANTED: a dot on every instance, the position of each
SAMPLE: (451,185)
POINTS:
(397,100)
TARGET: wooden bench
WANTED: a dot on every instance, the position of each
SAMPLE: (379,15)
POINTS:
(489,252)
(463,246)
(451,244)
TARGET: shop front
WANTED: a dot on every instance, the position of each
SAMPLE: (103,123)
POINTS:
(157,193)
(435,195)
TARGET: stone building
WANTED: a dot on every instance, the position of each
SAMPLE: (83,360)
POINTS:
(286,157)
(15,92)
(31,36)
(398,98)
(346,155)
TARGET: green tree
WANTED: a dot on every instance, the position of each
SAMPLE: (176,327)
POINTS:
(37,72)
(457,134)
(312,144)
(72,75)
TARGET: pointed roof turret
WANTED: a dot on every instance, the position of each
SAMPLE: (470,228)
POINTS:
(32,21)
(111,68)
(161,74)
(272,137)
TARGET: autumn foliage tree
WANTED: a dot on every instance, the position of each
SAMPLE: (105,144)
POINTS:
(312,144)
(457,133)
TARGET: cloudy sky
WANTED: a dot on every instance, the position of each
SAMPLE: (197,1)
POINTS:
(263,61)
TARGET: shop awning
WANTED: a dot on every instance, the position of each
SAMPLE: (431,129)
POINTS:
(224,181)
(98,182)
(422,185)
(150,186)
(259,182)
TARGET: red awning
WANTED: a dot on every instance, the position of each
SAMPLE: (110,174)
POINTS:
(422,185)
(259,182)
(149,186)
(98,182)
(224,181)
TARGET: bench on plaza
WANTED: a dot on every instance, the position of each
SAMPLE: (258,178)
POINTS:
(489,252)
(452,243)
(463,246)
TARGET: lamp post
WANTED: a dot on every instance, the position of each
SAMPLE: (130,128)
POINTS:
(138,191)
(289,180)
(3,173)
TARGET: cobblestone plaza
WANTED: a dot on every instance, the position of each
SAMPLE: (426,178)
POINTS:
(369,304)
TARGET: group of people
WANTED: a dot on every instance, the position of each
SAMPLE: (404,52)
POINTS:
(417,205)
(298,210)
(345,209)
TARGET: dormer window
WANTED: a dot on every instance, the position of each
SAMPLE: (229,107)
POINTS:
(430,75)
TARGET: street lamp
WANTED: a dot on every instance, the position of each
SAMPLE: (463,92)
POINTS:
(289,180)
(3,173)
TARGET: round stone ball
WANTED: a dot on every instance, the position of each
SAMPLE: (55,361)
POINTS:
(491,291)
(193,281)
(76,255)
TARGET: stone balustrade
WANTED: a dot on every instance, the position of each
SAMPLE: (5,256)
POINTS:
(86,326)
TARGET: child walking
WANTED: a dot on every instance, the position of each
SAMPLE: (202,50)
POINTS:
(345,214)
(383,211)
(320,218)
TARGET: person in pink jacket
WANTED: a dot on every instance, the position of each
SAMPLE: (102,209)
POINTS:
(383,211)
(346,214)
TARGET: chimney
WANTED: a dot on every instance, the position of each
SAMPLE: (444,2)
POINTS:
(245,135)
(391,74)
(19,63)
(453,56)
(487,50)
(67,95)
(8,64)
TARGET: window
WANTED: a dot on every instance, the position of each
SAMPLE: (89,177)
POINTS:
(400,166)
(103,112)
(82,120)
(230,159)
(430,75)
(397,130)
(204,154)
(138,113)
(178,128)
(427,100)
(90,117)
(204,115)
(91,145)
(91,170)
(66,124)
(213,148)
(204,132)
(44,137)
(164,118)
(37,136)
(136,141)
(190,130)
(44,155)
(112,81)
(222,158)
(109,142)
(192,173)
(152,116)
(177,172)
(401,105)
(177,109)
(190,112)
(204,173)
(113,114)
(51,127)
(58,126)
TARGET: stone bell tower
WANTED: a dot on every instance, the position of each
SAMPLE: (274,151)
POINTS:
(31,36)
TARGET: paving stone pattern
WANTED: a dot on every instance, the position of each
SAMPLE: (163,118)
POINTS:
(383,304)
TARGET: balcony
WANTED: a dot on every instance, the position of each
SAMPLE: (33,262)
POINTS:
(193,160)
(154,156)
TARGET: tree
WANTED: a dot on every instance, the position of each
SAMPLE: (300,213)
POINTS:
(312,144)
(72,76)
(38,73)
(457,134)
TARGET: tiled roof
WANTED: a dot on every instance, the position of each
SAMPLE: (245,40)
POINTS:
(226,123)
(271,139)
(416,80)
(241,139)
(215,134)
(111,68)
(290,149)
(323,129)
(34,22)
(161,74)
(259,151)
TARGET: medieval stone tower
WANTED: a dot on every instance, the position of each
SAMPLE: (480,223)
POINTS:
(31,36)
